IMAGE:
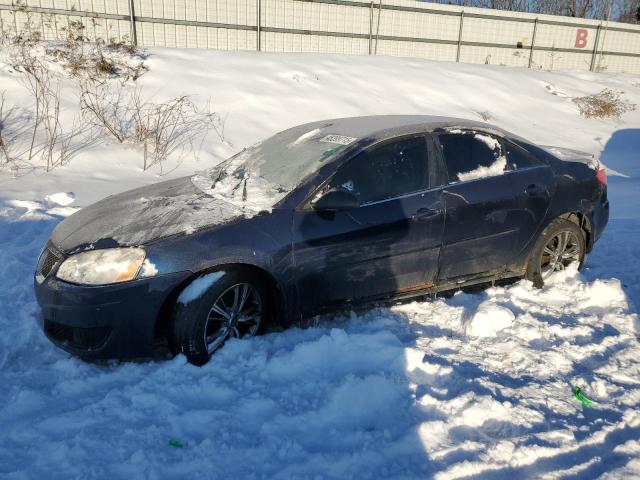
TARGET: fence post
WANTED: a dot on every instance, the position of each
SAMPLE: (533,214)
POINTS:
(132,20)
(258,20)
(595,49)
(533,41)
(460,36)
(370,26)
(375,48)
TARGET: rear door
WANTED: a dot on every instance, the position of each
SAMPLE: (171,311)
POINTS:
(481,232)
(389,244)
(532,181)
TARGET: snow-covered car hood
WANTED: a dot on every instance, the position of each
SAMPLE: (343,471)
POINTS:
(142,215)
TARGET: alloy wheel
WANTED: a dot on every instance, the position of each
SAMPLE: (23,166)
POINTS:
(237,312)
(561,250)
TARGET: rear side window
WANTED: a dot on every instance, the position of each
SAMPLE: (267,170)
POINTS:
(471,155)
(388,171)
(519,158)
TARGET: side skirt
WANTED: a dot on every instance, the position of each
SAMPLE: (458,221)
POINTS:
(419,291)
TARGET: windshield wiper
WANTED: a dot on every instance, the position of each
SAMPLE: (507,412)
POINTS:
(243,182)
(218,178)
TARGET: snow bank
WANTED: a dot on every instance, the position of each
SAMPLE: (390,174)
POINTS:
(63,199)
(488,320)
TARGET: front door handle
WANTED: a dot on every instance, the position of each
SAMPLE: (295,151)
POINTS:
(424,214)
(534,189)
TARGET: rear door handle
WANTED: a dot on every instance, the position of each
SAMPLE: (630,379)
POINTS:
(425,214)
(534,189)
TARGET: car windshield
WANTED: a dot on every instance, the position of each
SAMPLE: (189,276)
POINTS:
(260,176)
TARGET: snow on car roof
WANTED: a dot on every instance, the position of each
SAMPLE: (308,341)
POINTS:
(389,125)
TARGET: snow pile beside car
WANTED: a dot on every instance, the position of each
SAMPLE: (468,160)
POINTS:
(488,320)
(446,388)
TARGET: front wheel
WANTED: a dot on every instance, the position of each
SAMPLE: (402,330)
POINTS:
(230,305)
(561,244)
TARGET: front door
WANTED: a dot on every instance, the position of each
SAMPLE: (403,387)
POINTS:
(390,243)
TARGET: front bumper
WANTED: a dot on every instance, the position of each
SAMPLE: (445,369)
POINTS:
(106,322)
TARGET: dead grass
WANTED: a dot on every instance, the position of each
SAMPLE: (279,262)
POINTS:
(605,104)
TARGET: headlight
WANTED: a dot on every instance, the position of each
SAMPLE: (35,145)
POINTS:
(101,267)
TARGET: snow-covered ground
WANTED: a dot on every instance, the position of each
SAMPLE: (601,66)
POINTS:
(474,385)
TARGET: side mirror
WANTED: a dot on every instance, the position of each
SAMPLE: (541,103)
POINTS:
(336,200)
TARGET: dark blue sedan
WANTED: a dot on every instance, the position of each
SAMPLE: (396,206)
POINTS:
(322,216)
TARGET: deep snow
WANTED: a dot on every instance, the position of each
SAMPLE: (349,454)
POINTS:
(477,384)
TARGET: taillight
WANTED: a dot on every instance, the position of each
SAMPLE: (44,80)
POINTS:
(602,176)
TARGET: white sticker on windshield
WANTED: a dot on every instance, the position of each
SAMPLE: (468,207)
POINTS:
(339,139)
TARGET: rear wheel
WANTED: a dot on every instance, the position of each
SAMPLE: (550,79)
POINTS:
(235,305)
(561,244)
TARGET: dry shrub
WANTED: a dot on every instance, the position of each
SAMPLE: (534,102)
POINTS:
(102,69)
(74,51)
(7,139)
(605,104)
(485,115)
(123,46)
(108,108)
(160,128)
(35,134)
(73,35)
(37,80)
(106,66)
(98,59)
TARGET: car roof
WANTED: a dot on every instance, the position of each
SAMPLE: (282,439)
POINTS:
(380,127)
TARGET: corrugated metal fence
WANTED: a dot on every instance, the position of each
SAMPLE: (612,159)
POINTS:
(382,27)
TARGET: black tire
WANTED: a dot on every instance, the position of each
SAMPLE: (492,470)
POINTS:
(542,263)
(197,317)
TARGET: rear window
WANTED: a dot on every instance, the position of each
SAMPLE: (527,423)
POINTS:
(519,158)
(471,155)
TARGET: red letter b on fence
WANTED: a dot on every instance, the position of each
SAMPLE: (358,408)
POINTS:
(581,38)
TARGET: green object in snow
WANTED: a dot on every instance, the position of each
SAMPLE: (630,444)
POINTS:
(577,392)
(174,443)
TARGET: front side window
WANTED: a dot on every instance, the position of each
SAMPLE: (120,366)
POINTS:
(472,155)
(388,171)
